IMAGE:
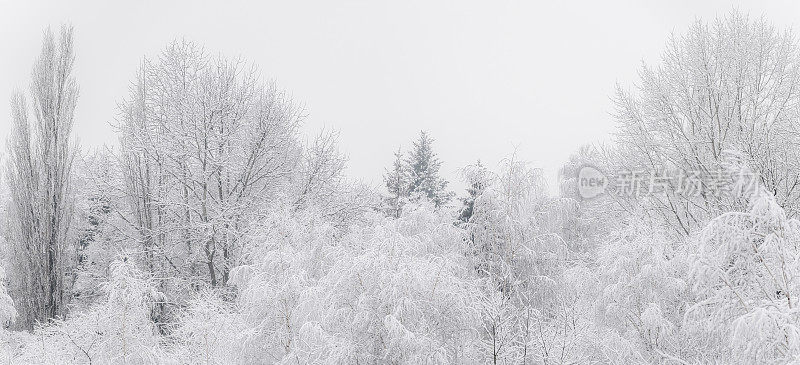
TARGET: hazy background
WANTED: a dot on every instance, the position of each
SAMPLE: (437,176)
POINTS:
(484,78)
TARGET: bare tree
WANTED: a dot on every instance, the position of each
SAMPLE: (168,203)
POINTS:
(41,155)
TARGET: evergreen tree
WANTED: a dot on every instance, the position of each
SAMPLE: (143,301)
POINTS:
(397,183)
(424,179)
(415,177)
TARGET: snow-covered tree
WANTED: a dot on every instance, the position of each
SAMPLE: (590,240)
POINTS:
(41,152)
(732,84)
(424,180)
(638,288)
(516,246)
(389,290)
(206,147)
(415,178)
(588,222)
(96,226)
(746,274)
(477,178)
(322,188)
(396,181)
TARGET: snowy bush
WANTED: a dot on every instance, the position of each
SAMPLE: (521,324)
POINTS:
(118,330)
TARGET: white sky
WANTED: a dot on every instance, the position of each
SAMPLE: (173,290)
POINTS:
(484,78)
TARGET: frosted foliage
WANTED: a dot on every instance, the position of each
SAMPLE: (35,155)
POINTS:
(641,286)
(746,274)
(397,291)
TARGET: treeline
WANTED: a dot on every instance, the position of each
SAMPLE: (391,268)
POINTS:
(216,234)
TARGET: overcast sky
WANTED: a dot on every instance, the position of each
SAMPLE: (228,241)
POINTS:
(484,78)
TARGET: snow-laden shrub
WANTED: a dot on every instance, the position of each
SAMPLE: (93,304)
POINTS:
(7,312)
(399,291)
(208,332)
(406,295)
(116,331)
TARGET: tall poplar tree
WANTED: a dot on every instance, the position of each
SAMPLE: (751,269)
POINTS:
(39,176)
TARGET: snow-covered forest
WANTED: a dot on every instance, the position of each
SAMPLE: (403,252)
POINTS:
(216,232)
